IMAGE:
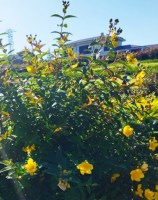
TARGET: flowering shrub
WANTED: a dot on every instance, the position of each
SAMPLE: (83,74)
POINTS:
(72,129)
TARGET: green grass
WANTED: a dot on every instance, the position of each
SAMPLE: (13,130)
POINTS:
(148,65)
(150,61)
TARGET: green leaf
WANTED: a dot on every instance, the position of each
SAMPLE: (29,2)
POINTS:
(69,16)
(10,51)
(56,15)
(56,32)
(55,45)
(10,174)
(6,162)
(6,169)
(3,33)
(67,33)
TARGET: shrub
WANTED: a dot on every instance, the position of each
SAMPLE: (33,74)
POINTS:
(151,53)
(72,129)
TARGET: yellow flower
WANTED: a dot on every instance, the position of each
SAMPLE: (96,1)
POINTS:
(31,166)
(127,131)
(154,104)
(114,43)
(156,187)
(130,58)
(136,175)
(138,82)
(153,143)
(63,185)
(85,167)
(74,66)
(71,53)
(141,74)
(144,167)
(69,50)
(149,195)
(113,34)
(114,177)
(139,78)
(31,69)
(140,117)
(141,103)
(156,196)
(28,149)
(114,38)
(139,191)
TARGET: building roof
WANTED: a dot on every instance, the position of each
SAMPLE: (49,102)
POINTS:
(152,46)
(129,46)
(89,40)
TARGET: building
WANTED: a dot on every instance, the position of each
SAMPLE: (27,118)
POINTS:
(85,46)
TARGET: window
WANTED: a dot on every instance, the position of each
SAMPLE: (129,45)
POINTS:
(106,49)
(84,49)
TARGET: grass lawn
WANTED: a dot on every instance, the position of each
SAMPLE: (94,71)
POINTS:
(148,65)
(151,65)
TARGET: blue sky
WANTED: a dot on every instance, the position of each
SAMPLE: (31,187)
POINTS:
(138,19)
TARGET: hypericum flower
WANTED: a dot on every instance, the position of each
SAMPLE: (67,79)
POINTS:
(130,58)
(128,131)
(139,191)
(144,167)
(63,185)
(31,166)
(74,66)
(114,38)
(141,74)
(71,53)
(136,175)
(29,149)
(154,104)
(31,69)
(141,103)
(140,117)
(114,177)
(156,196)
(85,167)
(138,82)
(139,78)
(113,34)
(149,195)
(114,43)
(153,143)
